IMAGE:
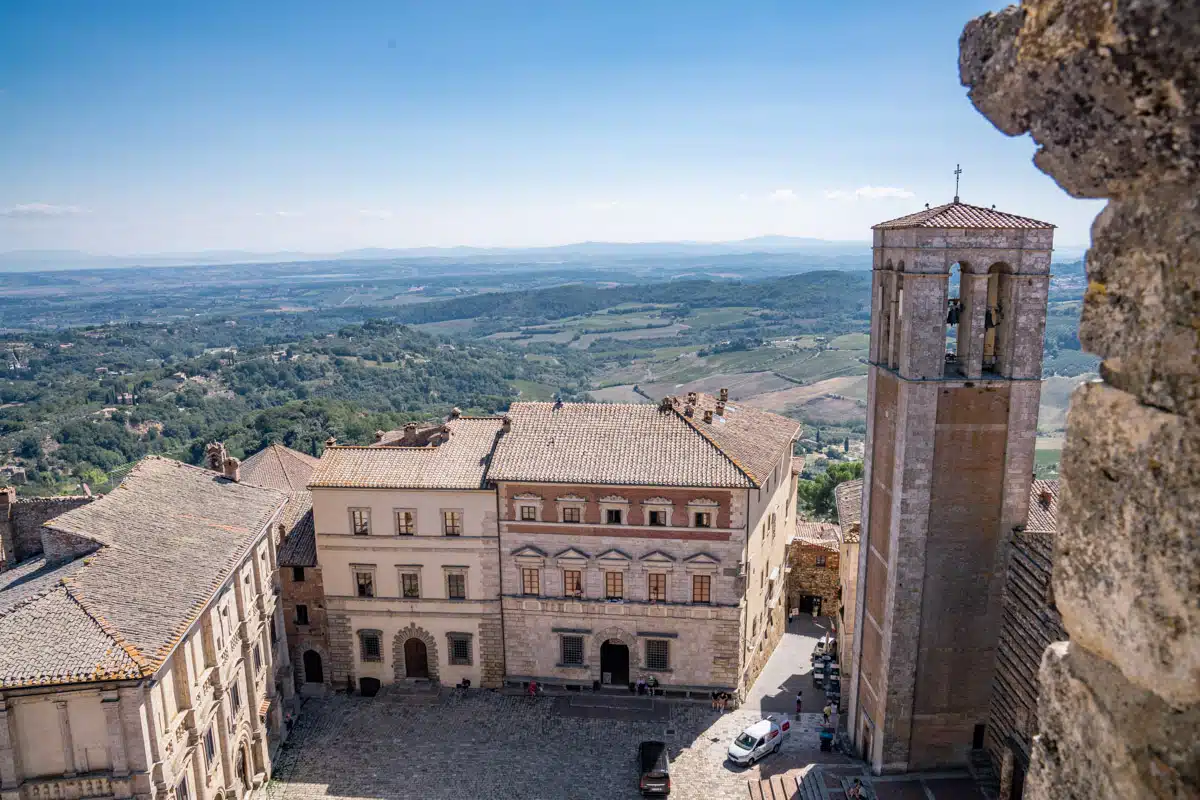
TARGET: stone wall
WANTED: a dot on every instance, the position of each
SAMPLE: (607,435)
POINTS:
(21,520)
(1109,92)
(314,636)
(1031,623)
(810,578)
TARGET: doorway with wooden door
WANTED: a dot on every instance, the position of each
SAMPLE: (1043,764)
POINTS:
(416,659)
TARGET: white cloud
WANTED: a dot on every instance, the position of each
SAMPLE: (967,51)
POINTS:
(41,210)
(868,193)
(782,196)
(280,214)
(377,213)
(743,198)
(604,205)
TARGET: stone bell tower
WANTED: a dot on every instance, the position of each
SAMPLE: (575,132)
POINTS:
(954,383)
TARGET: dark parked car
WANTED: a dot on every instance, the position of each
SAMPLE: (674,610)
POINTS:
(654,768)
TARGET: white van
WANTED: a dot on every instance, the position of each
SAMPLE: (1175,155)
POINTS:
(764,736)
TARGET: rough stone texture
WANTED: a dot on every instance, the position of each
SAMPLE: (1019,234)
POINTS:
(314,636)
(21,522)
(1102,736)
(807,578)
(1110,93)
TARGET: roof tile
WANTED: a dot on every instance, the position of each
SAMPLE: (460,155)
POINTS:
(961,215)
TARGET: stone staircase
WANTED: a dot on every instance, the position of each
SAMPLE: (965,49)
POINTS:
(796,784)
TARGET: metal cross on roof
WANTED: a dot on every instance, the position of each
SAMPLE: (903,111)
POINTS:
(957,172)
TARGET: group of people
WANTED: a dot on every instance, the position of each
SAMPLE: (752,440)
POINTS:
(645,685)
(720,700)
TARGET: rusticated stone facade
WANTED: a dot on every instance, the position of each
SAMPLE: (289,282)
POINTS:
(1109,92)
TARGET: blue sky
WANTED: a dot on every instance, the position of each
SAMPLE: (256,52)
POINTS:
(155,127)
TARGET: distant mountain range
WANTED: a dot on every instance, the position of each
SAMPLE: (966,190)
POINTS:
(41,260)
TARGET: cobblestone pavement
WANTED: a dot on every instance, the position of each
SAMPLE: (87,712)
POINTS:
(488,745)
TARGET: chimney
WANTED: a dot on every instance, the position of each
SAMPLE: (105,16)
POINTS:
(379,436)
(665,404)
(723,396)
(215,455)
(708,416)
(331,441)
(233,469)
(692,397)
(410,432)
(282,533)
(1044,498)
(455,413)
(506,424)
(688,410)
(720,408)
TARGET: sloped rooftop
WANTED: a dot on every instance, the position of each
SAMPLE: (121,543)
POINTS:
(642,445)
(961,215)
(288,470)
(848,496)
(168,537)
(460,462)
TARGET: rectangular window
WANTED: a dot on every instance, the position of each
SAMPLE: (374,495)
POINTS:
(456,586)
(612,516)
(572,583)
(460,649)
(297,574)
(529,513)
(820,561)
(235,699)
(701,588)
(572,650)
(703,519)
(274,633)
(364,581)
(531,583)
(301,614)
(370,648)
(572,514)
(614,585)
(657,587)
(406,522)
(658,518)
(452,523)
(257,658)
(658,654)
(360,521)
(410,585)
(181,790)
(210,748)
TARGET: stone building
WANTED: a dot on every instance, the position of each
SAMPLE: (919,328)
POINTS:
(138,650)
(1109,92)
(21,520)
(406,540)
(848,497)
(953,390)
(813,563)
(302,595)
(643,540)
(1031,623)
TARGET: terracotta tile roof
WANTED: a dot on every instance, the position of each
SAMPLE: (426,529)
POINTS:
(288,470)
(168,537)
(961,215)
(641,445)
(461,462)
(821,534)
(299,549)
(279,467)
(47,637)
(1043,507)
(849,509)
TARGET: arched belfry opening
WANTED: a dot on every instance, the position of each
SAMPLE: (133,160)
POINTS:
(957,325)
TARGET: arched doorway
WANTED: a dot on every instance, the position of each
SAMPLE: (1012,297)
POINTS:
(416,659)
(614,662)
(313,673)
(242,767)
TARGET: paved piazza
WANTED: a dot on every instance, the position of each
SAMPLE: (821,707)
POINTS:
(489,745)
(577,746)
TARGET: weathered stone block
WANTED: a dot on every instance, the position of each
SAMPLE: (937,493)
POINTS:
(1127,566)
(1103,737)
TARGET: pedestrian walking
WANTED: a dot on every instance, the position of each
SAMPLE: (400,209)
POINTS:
(827,710)
(799,702)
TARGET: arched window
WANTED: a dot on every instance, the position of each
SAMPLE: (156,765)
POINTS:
(995,321)
(956,315)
